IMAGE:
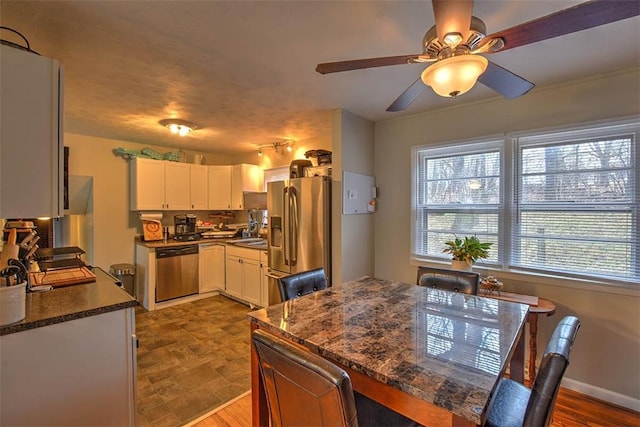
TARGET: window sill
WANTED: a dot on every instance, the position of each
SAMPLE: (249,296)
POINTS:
(521,276)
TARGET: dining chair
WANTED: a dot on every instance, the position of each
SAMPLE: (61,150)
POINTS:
(304,283)
(465,282)
(304,389)
(513,404)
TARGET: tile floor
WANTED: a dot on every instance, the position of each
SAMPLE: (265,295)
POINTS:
(191,358)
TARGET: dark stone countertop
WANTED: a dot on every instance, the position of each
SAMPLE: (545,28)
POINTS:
(71,302)
(221,241)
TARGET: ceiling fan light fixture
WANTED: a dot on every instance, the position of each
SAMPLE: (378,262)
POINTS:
(178,126)
(454,76)
(453,39)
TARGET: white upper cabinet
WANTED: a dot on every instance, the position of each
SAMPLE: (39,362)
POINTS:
(147,184)
(165,185)
(177,186)
(199,185)
(220,187)
(244,178)
(31,135)
(159,185)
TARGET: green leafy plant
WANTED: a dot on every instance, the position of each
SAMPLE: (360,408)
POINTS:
(470,249)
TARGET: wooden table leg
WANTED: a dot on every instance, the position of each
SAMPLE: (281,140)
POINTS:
(533,345)
(259,410)
(516,366)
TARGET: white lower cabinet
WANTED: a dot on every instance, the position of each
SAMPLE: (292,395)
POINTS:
(243,274)
(212,267)
(76,373)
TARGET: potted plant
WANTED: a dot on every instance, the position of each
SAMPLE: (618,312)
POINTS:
(465,252)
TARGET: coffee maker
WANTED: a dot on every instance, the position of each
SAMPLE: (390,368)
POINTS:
(185,227)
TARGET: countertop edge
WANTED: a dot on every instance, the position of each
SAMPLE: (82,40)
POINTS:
(71,303)
(21,327)
(155,244)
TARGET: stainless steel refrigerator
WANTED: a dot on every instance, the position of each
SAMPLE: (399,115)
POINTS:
(299,237)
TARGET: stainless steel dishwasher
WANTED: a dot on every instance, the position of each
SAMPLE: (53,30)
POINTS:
(177,272)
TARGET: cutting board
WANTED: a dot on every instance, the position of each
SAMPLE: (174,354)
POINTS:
(63,277)
(10,249)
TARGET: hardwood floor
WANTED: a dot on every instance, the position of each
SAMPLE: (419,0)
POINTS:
(572,410)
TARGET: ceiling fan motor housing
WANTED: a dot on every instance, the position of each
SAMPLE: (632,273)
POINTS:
(438,49)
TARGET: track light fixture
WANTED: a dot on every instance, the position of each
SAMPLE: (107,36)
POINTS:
(287,145)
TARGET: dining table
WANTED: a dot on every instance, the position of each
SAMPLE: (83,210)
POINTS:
(432,355)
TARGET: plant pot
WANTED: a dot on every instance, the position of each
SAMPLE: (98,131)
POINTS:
(460,265)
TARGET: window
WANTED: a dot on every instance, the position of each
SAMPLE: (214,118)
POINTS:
(555,202)
(275,174)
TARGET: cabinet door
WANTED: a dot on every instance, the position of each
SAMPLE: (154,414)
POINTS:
(245,178)
(219,187)
(233,269)
(147,184)
(252,291)
(199,183)
(176,186)
(32,162)
(89,378)
(212,266)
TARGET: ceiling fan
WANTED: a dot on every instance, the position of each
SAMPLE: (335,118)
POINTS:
(457,40)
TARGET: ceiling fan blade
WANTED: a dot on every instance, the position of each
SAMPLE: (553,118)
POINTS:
(452,17)
(503,81)
(408,96)
(357,64)
(580,17)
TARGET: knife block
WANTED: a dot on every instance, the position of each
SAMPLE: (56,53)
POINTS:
(12,303)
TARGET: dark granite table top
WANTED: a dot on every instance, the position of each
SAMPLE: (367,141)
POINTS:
(71,302)
(445,348)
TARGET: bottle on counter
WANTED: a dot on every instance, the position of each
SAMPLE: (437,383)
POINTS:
(165,234)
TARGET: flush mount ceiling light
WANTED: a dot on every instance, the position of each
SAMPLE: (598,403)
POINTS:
(286,144)
(454,76)
(178,126)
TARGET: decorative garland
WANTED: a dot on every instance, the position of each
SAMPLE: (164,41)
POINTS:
(147,153)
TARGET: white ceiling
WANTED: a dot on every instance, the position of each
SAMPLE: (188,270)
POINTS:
(244,70)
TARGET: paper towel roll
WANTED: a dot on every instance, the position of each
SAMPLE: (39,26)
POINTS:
(151,226)
(151,216)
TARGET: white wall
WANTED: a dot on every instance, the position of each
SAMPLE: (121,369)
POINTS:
(353,235)
(606,358)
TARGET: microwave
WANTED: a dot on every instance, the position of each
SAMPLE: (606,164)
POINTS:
(324,170)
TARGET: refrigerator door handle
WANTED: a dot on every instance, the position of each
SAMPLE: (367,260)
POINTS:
(294,226)
(285,228)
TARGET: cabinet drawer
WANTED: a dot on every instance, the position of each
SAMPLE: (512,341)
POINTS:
(245,253)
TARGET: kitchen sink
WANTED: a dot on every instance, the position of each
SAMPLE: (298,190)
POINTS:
(254,240)
(250,243)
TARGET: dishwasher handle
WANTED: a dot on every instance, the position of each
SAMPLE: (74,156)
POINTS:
(176,251)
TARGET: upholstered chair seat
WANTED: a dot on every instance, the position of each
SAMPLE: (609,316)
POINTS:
(465,282)
(514,405)
(304,283)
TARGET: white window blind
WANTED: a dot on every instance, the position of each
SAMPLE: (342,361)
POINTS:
(458,192)
(577,202)
(562,202)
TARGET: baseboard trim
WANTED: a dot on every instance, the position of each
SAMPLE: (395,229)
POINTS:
(219,408)
(602,394)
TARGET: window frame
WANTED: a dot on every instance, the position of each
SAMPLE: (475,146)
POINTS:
(509,185)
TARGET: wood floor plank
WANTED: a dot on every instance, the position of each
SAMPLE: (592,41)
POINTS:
(572,410)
